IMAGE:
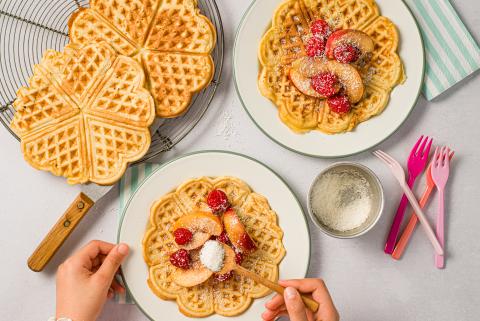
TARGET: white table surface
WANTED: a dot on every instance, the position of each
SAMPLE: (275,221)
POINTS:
(365,283)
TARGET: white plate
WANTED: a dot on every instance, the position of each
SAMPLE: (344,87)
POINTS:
(211,163)
(263,112)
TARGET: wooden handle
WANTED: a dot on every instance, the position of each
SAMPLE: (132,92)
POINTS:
(309,303)
(59,232)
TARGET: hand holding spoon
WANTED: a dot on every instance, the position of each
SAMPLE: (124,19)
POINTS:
(230,265)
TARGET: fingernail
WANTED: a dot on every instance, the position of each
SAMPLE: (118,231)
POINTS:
(290,293)
(122,249)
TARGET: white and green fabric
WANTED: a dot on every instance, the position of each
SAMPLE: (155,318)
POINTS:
(451,52)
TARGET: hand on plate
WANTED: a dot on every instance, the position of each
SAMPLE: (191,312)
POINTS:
(86,280)
(290,304)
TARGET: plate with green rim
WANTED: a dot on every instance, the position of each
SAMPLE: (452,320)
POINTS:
(366,135)
(164,179)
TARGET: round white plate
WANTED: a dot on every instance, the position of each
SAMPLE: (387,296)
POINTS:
(263,112)
(210,163)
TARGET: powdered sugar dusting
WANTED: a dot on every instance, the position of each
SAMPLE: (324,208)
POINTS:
(212,255)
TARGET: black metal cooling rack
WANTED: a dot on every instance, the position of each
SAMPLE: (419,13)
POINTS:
(29,27)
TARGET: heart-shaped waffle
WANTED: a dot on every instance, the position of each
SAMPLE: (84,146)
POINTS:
(170,38)
(230,297)
(284,42)
(85,114)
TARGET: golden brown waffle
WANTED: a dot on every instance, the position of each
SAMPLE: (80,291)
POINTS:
(85,114)
(283,43)
(225,298)
(170,38)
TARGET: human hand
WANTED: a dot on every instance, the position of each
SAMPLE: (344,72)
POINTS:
(86,280)
(291,304)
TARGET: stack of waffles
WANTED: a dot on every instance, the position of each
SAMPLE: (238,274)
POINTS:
(86,111)
(283,43)
(230,297)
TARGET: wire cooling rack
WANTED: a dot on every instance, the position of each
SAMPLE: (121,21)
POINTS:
(29,27)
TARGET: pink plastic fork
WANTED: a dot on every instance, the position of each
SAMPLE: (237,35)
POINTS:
(440,172)
(399,174)
(416,164)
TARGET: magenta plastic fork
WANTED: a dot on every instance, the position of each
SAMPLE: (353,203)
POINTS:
(416,164)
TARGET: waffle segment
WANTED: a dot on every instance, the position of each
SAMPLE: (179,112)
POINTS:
(235,295)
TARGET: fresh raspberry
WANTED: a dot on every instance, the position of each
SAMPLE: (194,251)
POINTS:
(182,236)
(339,104)
(346,53)
(223,237)
(325,84)
(223,277)
(246,243)
(315,47)
(320,28)
(218,202)
(180,259)
(238,257)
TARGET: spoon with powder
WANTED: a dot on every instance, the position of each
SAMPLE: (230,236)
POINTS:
(220,258)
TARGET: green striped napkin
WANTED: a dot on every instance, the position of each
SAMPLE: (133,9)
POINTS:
(451,52)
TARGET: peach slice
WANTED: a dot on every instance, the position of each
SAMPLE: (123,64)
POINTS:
(195,275)
(237,233)
(355,37)
(202,225)
(304,69)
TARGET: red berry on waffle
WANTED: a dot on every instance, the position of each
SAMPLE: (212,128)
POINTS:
(320,28)
(325,83)
(339,104)
(315,47)
(180,259)
(218,202)
(346,53)
(182,236)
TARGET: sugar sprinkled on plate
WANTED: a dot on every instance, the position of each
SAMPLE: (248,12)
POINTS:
(212,255)
(341,199)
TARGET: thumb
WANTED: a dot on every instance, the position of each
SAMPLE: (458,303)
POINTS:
(295,307)
(113,261)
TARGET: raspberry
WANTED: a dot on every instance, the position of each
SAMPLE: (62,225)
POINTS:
(238,257)
(223,237)
(315,47)
(223,277)
(320,28)
(346,53)
(180,259)
(339,104)
(246,243)
(218,201)
(182,236)
(325,84)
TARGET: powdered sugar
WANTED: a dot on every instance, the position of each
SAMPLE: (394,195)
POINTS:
(212,255)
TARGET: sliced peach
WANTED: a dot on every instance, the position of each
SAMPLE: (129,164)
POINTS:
(237,233)
(195,275)
(355,37)
(304,69)
(202,225)
(228,260)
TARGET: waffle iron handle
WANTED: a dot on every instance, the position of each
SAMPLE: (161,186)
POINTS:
(59,232)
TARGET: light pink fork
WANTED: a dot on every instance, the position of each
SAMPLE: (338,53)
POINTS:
(416,164)
(440,172)
(399,174)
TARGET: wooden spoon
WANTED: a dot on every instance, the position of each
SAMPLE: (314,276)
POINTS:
(229,265)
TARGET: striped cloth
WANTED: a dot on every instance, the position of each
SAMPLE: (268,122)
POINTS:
(451,52)
(128,184)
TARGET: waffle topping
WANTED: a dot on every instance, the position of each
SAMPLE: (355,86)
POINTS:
(325,83)
(320,28)
(218,202)
(315,47)
(349,46)
(180,259)
(346,53)
(211,255)
(182,236)
(339,104)
(237,233)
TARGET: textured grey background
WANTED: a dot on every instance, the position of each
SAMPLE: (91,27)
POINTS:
(366,284)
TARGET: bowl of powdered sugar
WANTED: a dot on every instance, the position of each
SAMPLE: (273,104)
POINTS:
(345,200)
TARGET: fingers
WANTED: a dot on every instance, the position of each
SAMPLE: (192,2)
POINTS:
(275,303)
(271,315)
(87,255)
(112,262)
(295,307)
(315,286)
